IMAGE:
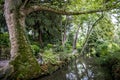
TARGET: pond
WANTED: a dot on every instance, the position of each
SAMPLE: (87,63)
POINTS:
(79,69)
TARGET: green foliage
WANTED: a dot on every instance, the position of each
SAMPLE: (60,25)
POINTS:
(1,2)
(85,4)
(106,48)
(4,39)
(63,55)
(112,62)
(2,22)
(109,60)
(24,68)
(46,25)
(49,57)
(49,46)
(36,49)
(58,48)
(66,49)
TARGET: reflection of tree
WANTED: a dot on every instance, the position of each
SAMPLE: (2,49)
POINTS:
(83,69)
(87,71)
(77,71)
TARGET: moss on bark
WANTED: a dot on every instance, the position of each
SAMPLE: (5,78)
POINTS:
(25,67)
(25,64)
(23,61)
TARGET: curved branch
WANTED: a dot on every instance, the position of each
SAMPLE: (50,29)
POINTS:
(89,33)
(27,11)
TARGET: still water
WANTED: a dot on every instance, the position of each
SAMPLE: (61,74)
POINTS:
(79,69)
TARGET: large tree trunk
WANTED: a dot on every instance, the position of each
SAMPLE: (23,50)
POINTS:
(22,59)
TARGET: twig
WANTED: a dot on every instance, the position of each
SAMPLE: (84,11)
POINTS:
(25,3)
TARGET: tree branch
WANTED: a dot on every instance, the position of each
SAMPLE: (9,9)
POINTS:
(27,11)
(26,1)
(89,33)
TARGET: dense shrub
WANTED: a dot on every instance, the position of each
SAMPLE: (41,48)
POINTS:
(4,39)
(49,57)
(4,46)
(35,49)
(116,71)
(112,62)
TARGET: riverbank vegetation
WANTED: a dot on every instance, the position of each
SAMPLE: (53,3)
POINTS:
(39,36)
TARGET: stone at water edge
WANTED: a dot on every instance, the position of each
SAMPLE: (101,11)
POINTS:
(5,69)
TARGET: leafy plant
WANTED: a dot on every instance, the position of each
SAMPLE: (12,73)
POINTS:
(112,63)
(49,57)
(35,49)
(106,48)
(4,39)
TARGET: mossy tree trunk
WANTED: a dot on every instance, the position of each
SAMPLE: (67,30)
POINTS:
(23,61)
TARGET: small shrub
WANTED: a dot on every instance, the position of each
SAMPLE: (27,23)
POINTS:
(35,49)
(49,57)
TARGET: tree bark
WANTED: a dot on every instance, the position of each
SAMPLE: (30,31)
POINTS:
(89,33)
(40,38)
(30,9)
(23,62)
(75,38)
(64,36)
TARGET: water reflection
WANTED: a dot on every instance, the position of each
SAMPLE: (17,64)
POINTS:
(71,76)
(78,69)
(81,69)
